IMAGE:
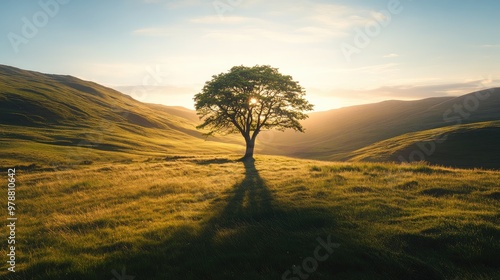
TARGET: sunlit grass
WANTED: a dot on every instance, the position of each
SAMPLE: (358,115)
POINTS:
(196,217)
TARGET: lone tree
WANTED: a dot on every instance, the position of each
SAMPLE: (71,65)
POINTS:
(248,100)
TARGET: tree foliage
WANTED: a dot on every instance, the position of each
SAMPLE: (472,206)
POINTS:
(248,100)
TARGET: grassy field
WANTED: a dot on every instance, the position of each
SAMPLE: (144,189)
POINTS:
(211,217)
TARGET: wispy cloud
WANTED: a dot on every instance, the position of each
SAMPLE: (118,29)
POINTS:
(372,69)
(391,55)
(306,23)
(303,35)
(227,20)
(412,92)
(337,17)
(175,3)
(155,31)
(490,46)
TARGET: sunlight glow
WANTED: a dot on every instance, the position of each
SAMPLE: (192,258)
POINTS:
(302,39)
(253,101)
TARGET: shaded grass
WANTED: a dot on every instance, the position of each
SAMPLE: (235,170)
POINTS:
(470,145)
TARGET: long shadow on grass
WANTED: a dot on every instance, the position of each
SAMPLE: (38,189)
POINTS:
(251,202)
(237,241)
(250,237)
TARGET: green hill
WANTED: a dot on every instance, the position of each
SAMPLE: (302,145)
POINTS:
(55,120)
(58,120)
(464,146)
(333,135)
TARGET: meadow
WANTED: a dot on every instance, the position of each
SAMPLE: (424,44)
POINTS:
(215,217)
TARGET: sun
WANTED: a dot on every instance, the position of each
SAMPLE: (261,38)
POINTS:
(253,101)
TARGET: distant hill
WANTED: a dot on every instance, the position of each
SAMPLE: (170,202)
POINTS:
(334,134)
(54,118)
(464,146)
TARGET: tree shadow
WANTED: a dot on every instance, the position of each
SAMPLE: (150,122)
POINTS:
(251,201)
(234,236)
(239,241)
(252,235)
(213,161)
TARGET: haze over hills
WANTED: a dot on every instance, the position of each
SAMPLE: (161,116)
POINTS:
(332,135)
(55,115)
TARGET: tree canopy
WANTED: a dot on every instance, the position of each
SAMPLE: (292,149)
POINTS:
(248,100)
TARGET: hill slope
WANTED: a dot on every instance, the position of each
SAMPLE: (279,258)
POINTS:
(52,118)
(464,146)
(332,135)
(57,120)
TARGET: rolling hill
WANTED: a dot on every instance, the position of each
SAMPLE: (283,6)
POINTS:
(334,134)
(463,146)
(56,120)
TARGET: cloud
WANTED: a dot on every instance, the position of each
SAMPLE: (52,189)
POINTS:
(303,22)
(391,55)
(216,20)
(490,46)
(184,3)
(372,69)
(341,18)
(155,31)
(409,92)
(175,4)
(305,35)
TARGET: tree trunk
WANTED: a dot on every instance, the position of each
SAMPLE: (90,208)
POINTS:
(250,148)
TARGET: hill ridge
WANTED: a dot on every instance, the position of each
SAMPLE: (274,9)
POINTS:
(332,135)
(63,111)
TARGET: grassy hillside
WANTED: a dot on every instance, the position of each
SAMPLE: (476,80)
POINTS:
(465,146)
(59,120)
(108,186)
(54,120)
(216,218)
(332,135)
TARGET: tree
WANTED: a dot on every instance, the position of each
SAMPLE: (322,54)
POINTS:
(248,100)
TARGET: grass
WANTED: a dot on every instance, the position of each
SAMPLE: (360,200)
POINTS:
(212,217)
(472,145)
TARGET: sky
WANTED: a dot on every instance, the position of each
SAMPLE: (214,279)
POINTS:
(343,53)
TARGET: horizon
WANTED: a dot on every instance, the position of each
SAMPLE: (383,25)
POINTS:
(145,92)
(343,53)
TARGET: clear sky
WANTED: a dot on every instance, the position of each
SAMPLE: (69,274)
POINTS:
(342,52)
